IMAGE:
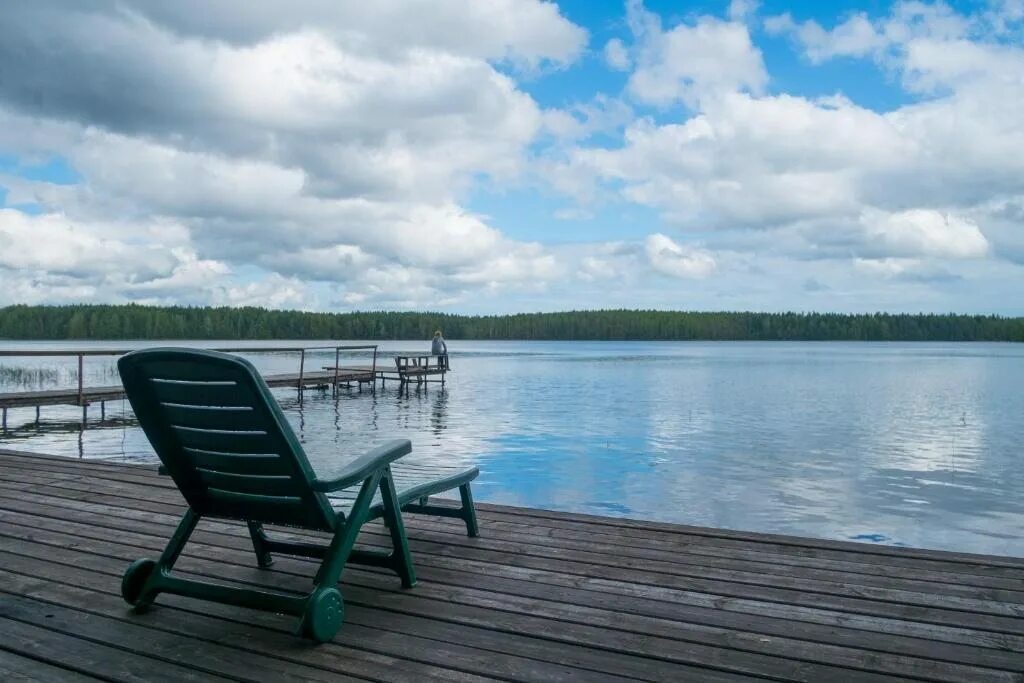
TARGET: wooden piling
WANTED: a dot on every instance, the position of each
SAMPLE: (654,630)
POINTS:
(80,379)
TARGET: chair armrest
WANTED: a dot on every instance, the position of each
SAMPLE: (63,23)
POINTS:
(364,466)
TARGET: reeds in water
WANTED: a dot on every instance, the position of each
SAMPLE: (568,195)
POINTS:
(14,378)
(28,377)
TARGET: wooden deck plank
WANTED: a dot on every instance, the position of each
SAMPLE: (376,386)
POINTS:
(585,658)
(913,628)
(410,640)
(868,551)
(532,599)
(554,524)
(978,599)
(679,653)
(18,669)
(366,589)
(970,675)
(445,545)
(985,602)
(628,597)
(858,557)
(235,639)
(81,614)
(92,656)
(1005,603)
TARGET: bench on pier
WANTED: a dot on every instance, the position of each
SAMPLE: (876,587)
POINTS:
(418,368)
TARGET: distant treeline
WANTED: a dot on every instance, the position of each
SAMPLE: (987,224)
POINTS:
(158,322)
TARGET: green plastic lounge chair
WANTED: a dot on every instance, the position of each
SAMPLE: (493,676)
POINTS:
(224,441)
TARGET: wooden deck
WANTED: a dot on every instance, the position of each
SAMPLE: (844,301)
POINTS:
(541,596)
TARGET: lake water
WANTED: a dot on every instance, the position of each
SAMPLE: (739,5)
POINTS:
(914,444)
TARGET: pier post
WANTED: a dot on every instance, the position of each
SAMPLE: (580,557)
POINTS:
(337,359)
(80,401)
(302,369)
(85,416)
(37,416)
(5,419)
(103,411)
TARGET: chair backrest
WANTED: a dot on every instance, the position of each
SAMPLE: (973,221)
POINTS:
(222,437)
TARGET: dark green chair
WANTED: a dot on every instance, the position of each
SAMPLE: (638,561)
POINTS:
(224,441)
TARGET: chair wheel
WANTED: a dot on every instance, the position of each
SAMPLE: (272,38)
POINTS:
(323,616)
(135,578)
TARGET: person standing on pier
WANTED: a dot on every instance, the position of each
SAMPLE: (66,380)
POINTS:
(440,349)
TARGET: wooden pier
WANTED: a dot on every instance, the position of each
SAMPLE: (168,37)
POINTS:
(90,395)
(541,596)
(332,377)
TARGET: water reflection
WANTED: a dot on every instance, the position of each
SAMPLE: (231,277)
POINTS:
(439,412)
(895,443)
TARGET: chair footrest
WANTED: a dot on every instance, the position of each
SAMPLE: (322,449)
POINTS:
(420,486)
(412,482)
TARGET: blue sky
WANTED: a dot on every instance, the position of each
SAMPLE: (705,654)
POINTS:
(515,155)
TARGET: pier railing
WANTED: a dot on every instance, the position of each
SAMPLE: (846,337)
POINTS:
(80,394)
(82,353)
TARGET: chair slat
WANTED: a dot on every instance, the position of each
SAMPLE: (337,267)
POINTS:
(256,484)
(213,417)
(237,497)
(184,370)
(236,441)
(239,463)
(226,394)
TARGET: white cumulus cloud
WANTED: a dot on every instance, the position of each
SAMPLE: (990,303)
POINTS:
(691,62)
(678,260)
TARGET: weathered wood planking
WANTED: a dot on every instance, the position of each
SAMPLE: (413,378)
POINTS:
(540,596)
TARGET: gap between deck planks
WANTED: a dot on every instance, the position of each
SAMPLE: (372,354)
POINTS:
(541,596)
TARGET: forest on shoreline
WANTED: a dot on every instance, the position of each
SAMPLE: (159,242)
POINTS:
(131,321)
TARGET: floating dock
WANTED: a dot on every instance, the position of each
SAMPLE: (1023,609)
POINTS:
(540,595)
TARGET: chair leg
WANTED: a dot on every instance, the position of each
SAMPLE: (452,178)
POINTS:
(345,538)
(259,544)
(177,543)
(325,608)
(399,541)
(469,511)
(144,578)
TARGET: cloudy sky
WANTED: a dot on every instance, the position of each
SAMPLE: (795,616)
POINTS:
(514,155)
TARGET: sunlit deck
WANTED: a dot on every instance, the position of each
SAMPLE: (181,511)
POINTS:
(540,596)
